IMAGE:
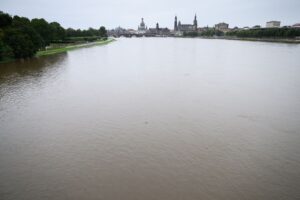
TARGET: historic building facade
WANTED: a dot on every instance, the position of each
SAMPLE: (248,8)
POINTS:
(142,27)
(273,24)
(222,26)
(157,31)
(178,27)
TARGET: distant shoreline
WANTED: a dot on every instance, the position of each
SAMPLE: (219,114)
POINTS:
(274,40)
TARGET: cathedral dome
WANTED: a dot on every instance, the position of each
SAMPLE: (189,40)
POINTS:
(142,26)
(142,23)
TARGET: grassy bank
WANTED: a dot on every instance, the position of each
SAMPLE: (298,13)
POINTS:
(65,48)
(71,47)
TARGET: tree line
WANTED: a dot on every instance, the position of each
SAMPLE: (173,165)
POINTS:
(21,37)
(209,32)
(266,33)
(284,32)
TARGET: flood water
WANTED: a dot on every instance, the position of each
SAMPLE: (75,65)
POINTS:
(153,119)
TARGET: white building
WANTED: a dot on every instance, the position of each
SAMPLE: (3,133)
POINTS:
(222,26)
(273,24)
(296,25)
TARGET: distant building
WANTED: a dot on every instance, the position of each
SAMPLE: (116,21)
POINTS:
(256,27)
(186,27)
(273,24)
(142,27)
(175,24)
(130,30)
(202,29)
(296,25)
(157,31)
(116,32)
(222,26)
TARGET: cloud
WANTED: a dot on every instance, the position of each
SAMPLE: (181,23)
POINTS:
(127,13)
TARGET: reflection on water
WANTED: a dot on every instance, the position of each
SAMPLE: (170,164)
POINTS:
(153,118)
(17,77)
(32,67)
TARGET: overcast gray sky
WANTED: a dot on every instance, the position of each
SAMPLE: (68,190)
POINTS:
(127,13)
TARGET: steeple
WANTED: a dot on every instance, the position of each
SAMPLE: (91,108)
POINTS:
(175,24)
(195,22)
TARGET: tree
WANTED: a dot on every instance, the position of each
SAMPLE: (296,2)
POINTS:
(5,20)
(21,37)
(5,51)
(20,21)
(24,26)
(103,32)
(58,32)
(43,28)
(21,44)
(266,33)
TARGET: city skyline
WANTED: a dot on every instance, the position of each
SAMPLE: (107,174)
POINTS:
(127,13)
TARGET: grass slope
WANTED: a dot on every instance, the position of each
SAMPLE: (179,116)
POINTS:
(61,50)
(71,47)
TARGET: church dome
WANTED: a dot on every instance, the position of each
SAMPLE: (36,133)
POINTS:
(142,23)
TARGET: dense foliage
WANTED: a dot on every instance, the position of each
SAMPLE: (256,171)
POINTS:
(22,38)
(250,33)
(209,32)
(101,32)
(266,33)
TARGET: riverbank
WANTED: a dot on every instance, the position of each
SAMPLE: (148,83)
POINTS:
(275,40)
(72,47)
(63,49)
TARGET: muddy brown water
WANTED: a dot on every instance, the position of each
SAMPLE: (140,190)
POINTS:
(153,119)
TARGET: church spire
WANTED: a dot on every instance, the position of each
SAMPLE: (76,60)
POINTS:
(195,22)
(175,24)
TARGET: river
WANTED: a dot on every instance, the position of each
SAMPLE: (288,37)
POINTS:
(153,119)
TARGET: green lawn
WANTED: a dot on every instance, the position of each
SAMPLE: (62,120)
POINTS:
(71,47)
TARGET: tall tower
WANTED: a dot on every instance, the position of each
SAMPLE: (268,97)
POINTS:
(195,22)
(175,24)
(142,25)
